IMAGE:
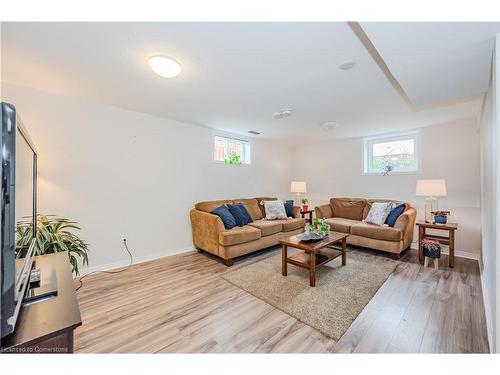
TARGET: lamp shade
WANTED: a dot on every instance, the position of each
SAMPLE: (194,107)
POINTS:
(298,187)
(431,188)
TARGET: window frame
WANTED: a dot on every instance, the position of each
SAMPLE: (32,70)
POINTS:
(246,149)
(367,150)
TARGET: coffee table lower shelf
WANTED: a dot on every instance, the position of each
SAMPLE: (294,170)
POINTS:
(314,254)
(303,259)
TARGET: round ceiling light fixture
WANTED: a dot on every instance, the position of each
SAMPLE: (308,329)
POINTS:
(330,125)
(286,112)
(164,66)
(347,65)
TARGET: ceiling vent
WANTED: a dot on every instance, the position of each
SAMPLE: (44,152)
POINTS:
(330,125)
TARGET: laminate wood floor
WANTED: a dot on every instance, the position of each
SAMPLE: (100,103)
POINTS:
(180,304)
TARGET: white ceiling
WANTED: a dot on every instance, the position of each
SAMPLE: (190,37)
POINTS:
(436,61)
(235,75)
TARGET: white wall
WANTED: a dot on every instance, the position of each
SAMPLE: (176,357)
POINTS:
(119,172)
(490,201)
(449,151)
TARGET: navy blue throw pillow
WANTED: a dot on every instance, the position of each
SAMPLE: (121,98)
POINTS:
(227,218)
(248,218)
(240,214)
(289,208)
(394,214)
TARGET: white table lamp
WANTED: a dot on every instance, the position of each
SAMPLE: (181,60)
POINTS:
(298,187)
(431,189)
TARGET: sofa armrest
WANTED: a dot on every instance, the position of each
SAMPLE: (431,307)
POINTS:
(406,223)
(206,228)
(324,211)
(296,212)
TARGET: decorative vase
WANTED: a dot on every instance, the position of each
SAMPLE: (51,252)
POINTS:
(440,219)
(305,207)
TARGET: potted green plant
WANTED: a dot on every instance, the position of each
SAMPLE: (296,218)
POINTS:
(233,159)
(318,228)
(440,217)
(305,205)
(432,248)
(53,235)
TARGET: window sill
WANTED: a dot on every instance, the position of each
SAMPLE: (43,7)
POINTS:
(231,165)
(391,173)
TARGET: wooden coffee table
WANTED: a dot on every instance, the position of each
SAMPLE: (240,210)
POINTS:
(316,253)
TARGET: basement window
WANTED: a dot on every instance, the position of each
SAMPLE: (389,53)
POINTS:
(231,150)
(401,151)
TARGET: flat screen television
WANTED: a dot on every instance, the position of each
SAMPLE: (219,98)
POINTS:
(18,203)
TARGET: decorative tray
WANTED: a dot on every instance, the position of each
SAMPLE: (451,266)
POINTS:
(308,236)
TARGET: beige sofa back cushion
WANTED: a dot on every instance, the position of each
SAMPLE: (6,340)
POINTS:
(211,205)
(348,208)
(252,206)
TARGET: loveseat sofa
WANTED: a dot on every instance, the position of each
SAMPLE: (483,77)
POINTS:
(346,215)
(210,235)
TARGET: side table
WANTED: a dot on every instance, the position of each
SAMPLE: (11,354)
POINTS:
(308,212)
(449,240)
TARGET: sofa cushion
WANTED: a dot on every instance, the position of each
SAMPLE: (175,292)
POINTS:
(289,208)
(348,208)
(261,205)
(369,203)
(240,214)
(377,232)
(226,216)
(252,207)
(378,213)
(339,224)
(247,215)
(211,205)
(396,212)
(291,224)
(267,227)
(275,210)
(239,235)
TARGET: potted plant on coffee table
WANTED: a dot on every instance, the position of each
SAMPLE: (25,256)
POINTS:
(318,228)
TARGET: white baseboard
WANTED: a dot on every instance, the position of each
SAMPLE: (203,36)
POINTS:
(458,253)
(135,260)
(149,257)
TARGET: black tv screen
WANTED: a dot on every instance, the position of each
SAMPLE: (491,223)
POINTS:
(18,203)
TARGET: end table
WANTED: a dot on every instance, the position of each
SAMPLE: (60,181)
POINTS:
(308,212)
(450,240)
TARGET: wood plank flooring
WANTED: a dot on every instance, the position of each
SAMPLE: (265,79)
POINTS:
(180,304)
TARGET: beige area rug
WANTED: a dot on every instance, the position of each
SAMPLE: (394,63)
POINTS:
(340,294)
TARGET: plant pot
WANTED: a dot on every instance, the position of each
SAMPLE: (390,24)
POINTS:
(305,207)
(440,219)
(432,251)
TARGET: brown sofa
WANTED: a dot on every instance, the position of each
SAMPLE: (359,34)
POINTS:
(210,235)
(346,215)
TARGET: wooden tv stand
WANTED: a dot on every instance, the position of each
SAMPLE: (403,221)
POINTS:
(47,326)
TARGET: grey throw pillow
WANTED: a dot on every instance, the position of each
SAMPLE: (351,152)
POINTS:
(378,213)
(275,210)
